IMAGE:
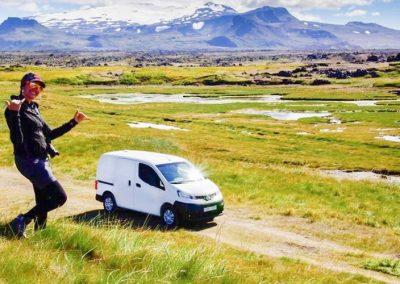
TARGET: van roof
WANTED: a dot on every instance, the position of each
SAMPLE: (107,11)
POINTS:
(144,156)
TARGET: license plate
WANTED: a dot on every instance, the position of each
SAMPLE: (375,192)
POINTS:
(211,208)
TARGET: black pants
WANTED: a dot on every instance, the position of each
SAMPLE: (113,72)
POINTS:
(48,198)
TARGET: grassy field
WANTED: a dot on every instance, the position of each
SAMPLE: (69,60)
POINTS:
(259,163)
(112,253)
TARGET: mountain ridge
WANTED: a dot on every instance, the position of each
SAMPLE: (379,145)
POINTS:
(210,26)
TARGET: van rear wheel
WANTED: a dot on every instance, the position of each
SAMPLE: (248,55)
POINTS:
(169,217)
(109,204)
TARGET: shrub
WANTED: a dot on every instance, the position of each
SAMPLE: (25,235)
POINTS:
(152,78)
(214,80)
(387,266)
(318,82)
(129,79)
(83,80)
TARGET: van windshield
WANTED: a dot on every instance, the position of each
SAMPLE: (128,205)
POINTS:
(182,172)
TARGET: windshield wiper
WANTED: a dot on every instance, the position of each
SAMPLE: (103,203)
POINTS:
(177,181)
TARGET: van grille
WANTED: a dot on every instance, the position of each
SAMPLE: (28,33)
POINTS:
(206,197)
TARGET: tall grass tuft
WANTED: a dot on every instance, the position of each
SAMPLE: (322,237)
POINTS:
(388,266)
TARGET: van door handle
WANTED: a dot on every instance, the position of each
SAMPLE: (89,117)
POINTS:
(138,185)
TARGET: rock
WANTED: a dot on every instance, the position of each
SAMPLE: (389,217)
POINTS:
(319,82)
(372,58)
(284,74)
(299,70)
(374,74)
(359,73)
(337,74)
(344,74)
(393,58)
(317,56)
(311,57)
(169,120)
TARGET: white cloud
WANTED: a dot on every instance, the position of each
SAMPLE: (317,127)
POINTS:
(27,8)
(375,14)
(171,8)
(356,13)
(304,4)
(30,7)
(241,5)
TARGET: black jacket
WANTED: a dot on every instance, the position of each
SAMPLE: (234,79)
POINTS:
(29,132)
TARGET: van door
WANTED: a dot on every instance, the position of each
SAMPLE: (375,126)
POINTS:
(149,192)
(124,183)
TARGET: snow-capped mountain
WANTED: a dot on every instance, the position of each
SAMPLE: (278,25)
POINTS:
(119,17)
(194,21)
(263,28)
(160,26)
(208,11)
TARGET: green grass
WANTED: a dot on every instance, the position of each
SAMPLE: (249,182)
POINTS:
(258,162)
(387,266)
(226,148)
(111,252)
(395,84)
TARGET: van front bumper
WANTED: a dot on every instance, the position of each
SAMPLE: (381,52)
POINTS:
(195,212)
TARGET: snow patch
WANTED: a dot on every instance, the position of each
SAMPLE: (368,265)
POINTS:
(198,26)
(161,28)
(335,120)
(139,12)
(367,32)
(215,7)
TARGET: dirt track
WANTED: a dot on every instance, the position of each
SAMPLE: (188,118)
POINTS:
(270,236)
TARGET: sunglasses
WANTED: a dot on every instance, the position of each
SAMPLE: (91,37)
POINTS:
(35,86)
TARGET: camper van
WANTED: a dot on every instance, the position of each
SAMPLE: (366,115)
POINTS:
(157,184)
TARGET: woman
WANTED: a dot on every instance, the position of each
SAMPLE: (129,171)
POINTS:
(31,138)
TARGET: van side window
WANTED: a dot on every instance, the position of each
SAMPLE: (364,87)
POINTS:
(149,176)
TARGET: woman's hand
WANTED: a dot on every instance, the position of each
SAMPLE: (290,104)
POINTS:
(80,116)
(14,105)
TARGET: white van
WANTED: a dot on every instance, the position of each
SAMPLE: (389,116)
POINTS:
(156,184)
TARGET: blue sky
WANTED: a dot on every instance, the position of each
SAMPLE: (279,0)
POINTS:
(384,12)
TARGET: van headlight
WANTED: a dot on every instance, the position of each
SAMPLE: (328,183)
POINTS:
(185,195)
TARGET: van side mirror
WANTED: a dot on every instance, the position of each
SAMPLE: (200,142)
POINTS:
(162,186)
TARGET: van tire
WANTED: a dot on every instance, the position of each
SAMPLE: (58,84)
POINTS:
(109,204)
(169,216)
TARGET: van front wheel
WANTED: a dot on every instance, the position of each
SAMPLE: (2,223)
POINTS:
(169,217)
(110,206)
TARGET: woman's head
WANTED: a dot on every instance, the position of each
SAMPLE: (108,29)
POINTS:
(31,86)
